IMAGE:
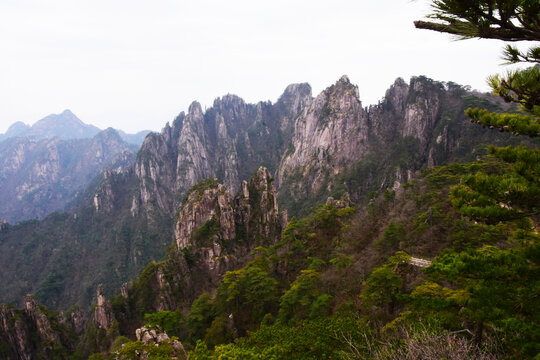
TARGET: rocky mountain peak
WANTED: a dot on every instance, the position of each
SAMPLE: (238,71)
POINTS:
(296,97)
(195,110)
(109,134)
(334,126)
(207,199)
(228,100)
(301,89)
(40,320)
(64,125)
(343,87)
(17,129)
(69,113)
(396,95)
(344,79)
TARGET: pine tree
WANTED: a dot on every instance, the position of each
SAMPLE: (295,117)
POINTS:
(508,20)
(516,193)
(498,285)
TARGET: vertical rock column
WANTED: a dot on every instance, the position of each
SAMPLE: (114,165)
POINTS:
(103,316)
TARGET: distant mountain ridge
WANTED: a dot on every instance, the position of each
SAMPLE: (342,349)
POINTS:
(44,167)
(66,126)
(42,175)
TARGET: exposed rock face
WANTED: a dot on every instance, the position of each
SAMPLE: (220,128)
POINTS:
(14,332)
(330,133)
(200,207)
(229,141)
(34,332)
(38,177)
(256,203)
(339,148)
(40,320)
(157,337)
(79,320)
(214,233)
(103,315)
(422,113)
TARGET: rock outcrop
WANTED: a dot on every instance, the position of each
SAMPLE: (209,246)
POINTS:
(211,221)
(40,320)
(340,148)
(329,134)
(103,315)
(15,334)
(155,336)
(214,233)
(228,141)
(34,332)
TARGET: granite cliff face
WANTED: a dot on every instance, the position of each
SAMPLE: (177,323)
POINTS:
(214,233)
(340,148)
(329,134)
(103,316)
(38,177)
(35,332)
(229,141)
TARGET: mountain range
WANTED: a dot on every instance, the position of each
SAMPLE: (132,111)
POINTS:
(255,221)
(65,126)
(44,167)
(313,147)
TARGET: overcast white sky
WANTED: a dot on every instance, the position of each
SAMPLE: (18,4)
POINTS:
(134,64)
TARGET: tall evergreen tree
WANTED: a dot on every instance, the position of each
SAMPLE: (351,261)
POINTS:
(499,285)
(515,194)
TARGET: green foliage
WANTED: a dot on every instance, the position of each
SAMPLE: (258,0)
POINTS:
(143,290)
(172,322)
(219,332)
(248,294)
(97,356)
(310,242)
(497,291)
(342,261)
(515,123)
(50,288)
(304,300)
(324,338)
(118,342)
(523,87)
(392,236)
(200,187)
(382,287)
(201,315)
(203,236)
(507,196)
(138,349)
(508,20)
